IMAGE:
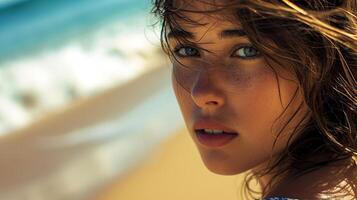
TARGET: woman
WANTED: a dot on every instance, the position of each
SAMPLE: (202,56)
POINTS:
(269,87)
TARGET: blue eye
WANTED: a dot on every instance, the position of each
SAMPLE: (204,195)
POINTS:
(246,52)
(186,52)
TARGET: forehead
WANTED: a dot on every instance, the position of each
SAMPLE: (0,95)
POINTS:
(200,5)
(204,12)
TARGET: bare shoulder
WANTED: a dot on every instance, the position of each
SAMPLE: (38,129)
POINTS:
(333,182)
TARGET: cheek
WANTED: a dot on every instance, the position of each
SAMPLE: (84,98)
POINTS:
(247,77)
(256,103)
(183,98)
(261,105)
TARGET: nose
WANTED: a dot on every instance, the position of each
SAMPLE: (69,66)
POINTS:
(205,93)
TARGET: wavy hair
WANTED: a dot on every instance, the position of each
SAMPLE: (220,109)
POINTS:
(319,39)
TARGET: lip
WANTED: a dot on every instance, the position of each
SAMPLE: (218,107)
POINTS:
(213,140)
(212,124)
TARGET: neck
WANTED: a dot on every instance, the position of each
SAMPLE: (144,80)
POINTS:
(312,183)
(266,178)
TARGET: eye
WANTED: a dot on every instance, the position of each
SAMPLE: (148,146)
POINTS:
(186,51)
(246,52)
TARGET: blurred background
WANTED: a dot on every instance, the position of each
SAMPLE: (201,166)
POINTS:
(87,110)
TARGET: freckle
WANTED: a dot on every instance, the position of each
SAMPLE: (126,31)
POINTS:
(249,79)
(245,77)
(244,80)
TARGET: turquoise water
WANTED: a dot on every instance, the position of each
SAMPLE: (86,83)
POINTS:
(7,3)
(28,26)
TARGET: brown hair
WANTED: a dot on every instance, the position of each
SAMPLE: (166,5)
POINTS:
(319,39)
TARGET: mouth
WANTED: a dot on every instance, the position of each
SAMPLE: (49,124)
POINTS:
(214,140)
(213,134)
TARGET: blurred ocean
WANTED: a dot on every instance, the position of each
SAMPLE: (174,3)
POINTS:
(55,51)
(33,25)
(7,3)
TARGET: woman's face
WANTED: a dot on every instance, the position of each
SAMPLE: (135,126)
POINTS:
(248,104)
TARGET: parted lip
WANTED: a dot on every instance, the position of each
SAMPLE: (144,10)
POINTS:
(211,124)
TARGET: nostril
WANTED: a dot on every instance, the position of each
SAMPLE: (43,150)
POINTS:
(212,103)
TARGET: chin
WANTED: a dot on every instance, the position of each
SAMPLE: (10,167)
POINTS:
(224,169)
(222,163)
(223,172)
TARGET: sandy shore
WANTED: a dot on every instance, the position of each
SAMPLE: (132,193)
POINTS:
(174,171)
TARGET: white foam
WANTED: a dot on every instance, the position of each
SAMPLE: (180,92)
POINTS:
(105,58)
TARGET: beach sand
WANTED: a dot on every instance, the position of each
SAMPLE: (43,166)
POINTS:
(174,172)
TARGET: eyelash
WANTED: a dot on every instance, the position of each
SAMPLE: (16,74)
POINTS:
(178,48)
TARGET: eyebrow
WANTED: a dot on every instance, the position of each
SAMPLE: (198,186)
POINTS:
(229,33)
(180,33)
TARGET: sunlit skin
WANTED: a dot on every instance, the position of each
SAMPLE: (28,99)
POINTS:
(257,104)
(251,109)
